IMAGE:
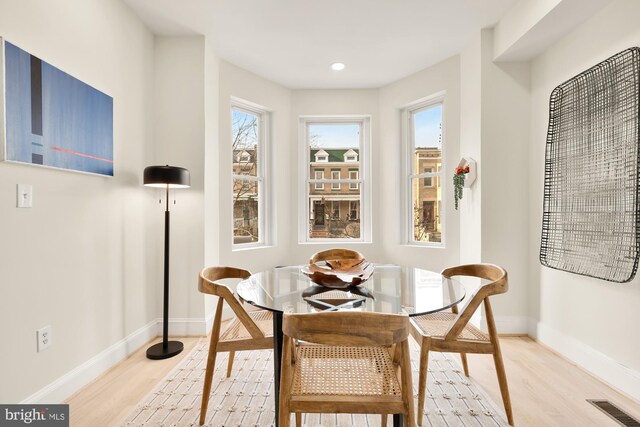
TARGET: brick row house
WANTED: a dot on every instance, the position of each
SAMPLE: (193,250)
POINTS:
(334,207)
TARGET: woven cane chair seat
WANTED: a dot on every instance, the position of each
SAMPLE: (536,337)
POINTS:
(344,371)
(236,331)
(333,295)
(436,325)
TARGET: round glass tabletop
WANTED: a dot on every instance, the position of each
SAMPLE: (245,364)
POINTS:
(391,289)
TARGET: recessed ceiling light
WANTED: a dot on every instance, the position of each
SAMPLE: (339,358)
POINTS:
(337,66)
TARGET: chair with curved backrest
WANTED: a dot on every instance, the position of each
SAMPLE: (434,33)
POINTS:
(335,254)
(451,332)
(251,330)
(346,367)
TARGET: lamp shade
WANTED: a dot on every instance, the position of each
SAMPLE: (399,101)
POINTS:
(163,176)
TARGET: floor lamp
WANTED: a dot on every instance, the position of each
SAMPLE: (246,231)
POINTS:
(166,177)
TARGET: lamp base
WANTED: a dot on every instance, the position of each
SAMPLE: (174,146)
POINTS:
(158,351)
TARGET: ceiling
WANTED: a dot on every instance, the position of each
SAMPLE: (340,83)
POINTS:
(293,42)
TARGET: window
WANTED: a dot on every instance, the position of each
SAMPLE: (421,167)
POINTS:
(249,145)
(335,177)
(424,170)
(428,181)
(319,174)
(354,210)
(340,144)
(335,209)
(351,156)
(321,156)
(353,176)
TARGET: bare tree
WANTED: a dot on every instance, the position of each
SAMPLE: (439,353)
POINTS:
(314,141)
(423,230)
(244,152)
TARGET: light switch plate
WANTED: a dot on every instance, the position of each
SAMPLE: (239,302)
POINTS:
(24,195)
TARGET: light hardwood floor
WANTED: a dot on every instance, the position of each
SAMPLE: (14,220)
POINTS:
(546,389)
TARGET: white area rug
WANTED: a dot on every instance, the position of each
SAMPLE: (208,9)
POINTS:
(246,399)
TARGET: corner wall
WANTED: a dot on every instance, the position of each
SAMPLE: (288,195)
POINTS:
(444,76)
(494,214)
(347,102)
(236,82)
(588,320)
(505,97)
(78,260)
(179,108)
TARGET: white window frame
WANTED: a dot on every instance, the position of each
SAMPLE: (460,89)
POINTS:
(321,158)
(263,172)
(428,171)
(335,184)
(319,185)
(356,210)
(408,174)
(363,181)
(334,203)
(354,185)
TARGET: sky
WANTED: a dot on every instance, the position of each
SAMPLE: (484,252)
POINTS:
(427,127)
(335,135)
(427,131)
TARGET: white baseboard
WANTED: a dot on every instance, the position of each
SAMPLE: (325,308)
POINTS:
(599,364)
(65,386)
(74,380)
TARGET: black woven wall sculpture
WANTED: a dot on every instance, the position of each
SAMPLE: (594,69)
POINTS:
(590,221)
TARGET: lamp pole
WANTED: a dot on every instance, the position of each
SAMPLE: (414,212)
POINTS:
(167,177)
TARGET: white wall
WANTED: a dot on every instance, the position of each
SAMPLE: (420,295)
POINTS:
(444,76)
(78,260)
(211,161)
(504,142)
(589,320)
(236,82)
(357,102)
(179,107)
(471,146)
(287,106)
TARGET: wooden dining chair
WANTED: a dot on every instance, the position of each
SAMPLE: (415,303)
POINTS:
(344,365)
(335,254)
(451,332)
(248,330)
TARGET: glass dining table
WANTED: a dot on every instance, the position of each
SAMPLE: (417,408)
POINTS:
(390,289)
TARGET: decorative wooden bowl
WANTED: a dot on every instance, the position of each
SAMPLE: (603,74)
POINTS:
(339,273)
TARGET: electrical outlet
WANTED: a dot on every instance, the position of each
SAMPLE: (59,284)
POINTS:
(45,339)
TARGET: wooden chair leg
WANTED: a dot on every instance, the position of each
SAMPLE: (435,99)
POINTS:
(286,376)
(383,420)
(298,419)
(211,361)
(407,383)
(502,381)
(230,364)
(206,390)
(422,377)
(465,366)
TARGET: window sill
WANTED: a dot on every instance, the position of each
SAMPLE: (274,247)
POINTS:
(425,245)
(332,241)
(242,248)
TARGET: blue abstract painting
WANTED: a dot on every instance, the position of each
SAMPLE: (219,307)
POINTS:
(53,119)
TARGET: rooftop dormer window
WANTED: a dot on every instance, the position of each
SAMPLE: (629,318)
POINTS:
(244,157)
(322,156)
(350,156)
